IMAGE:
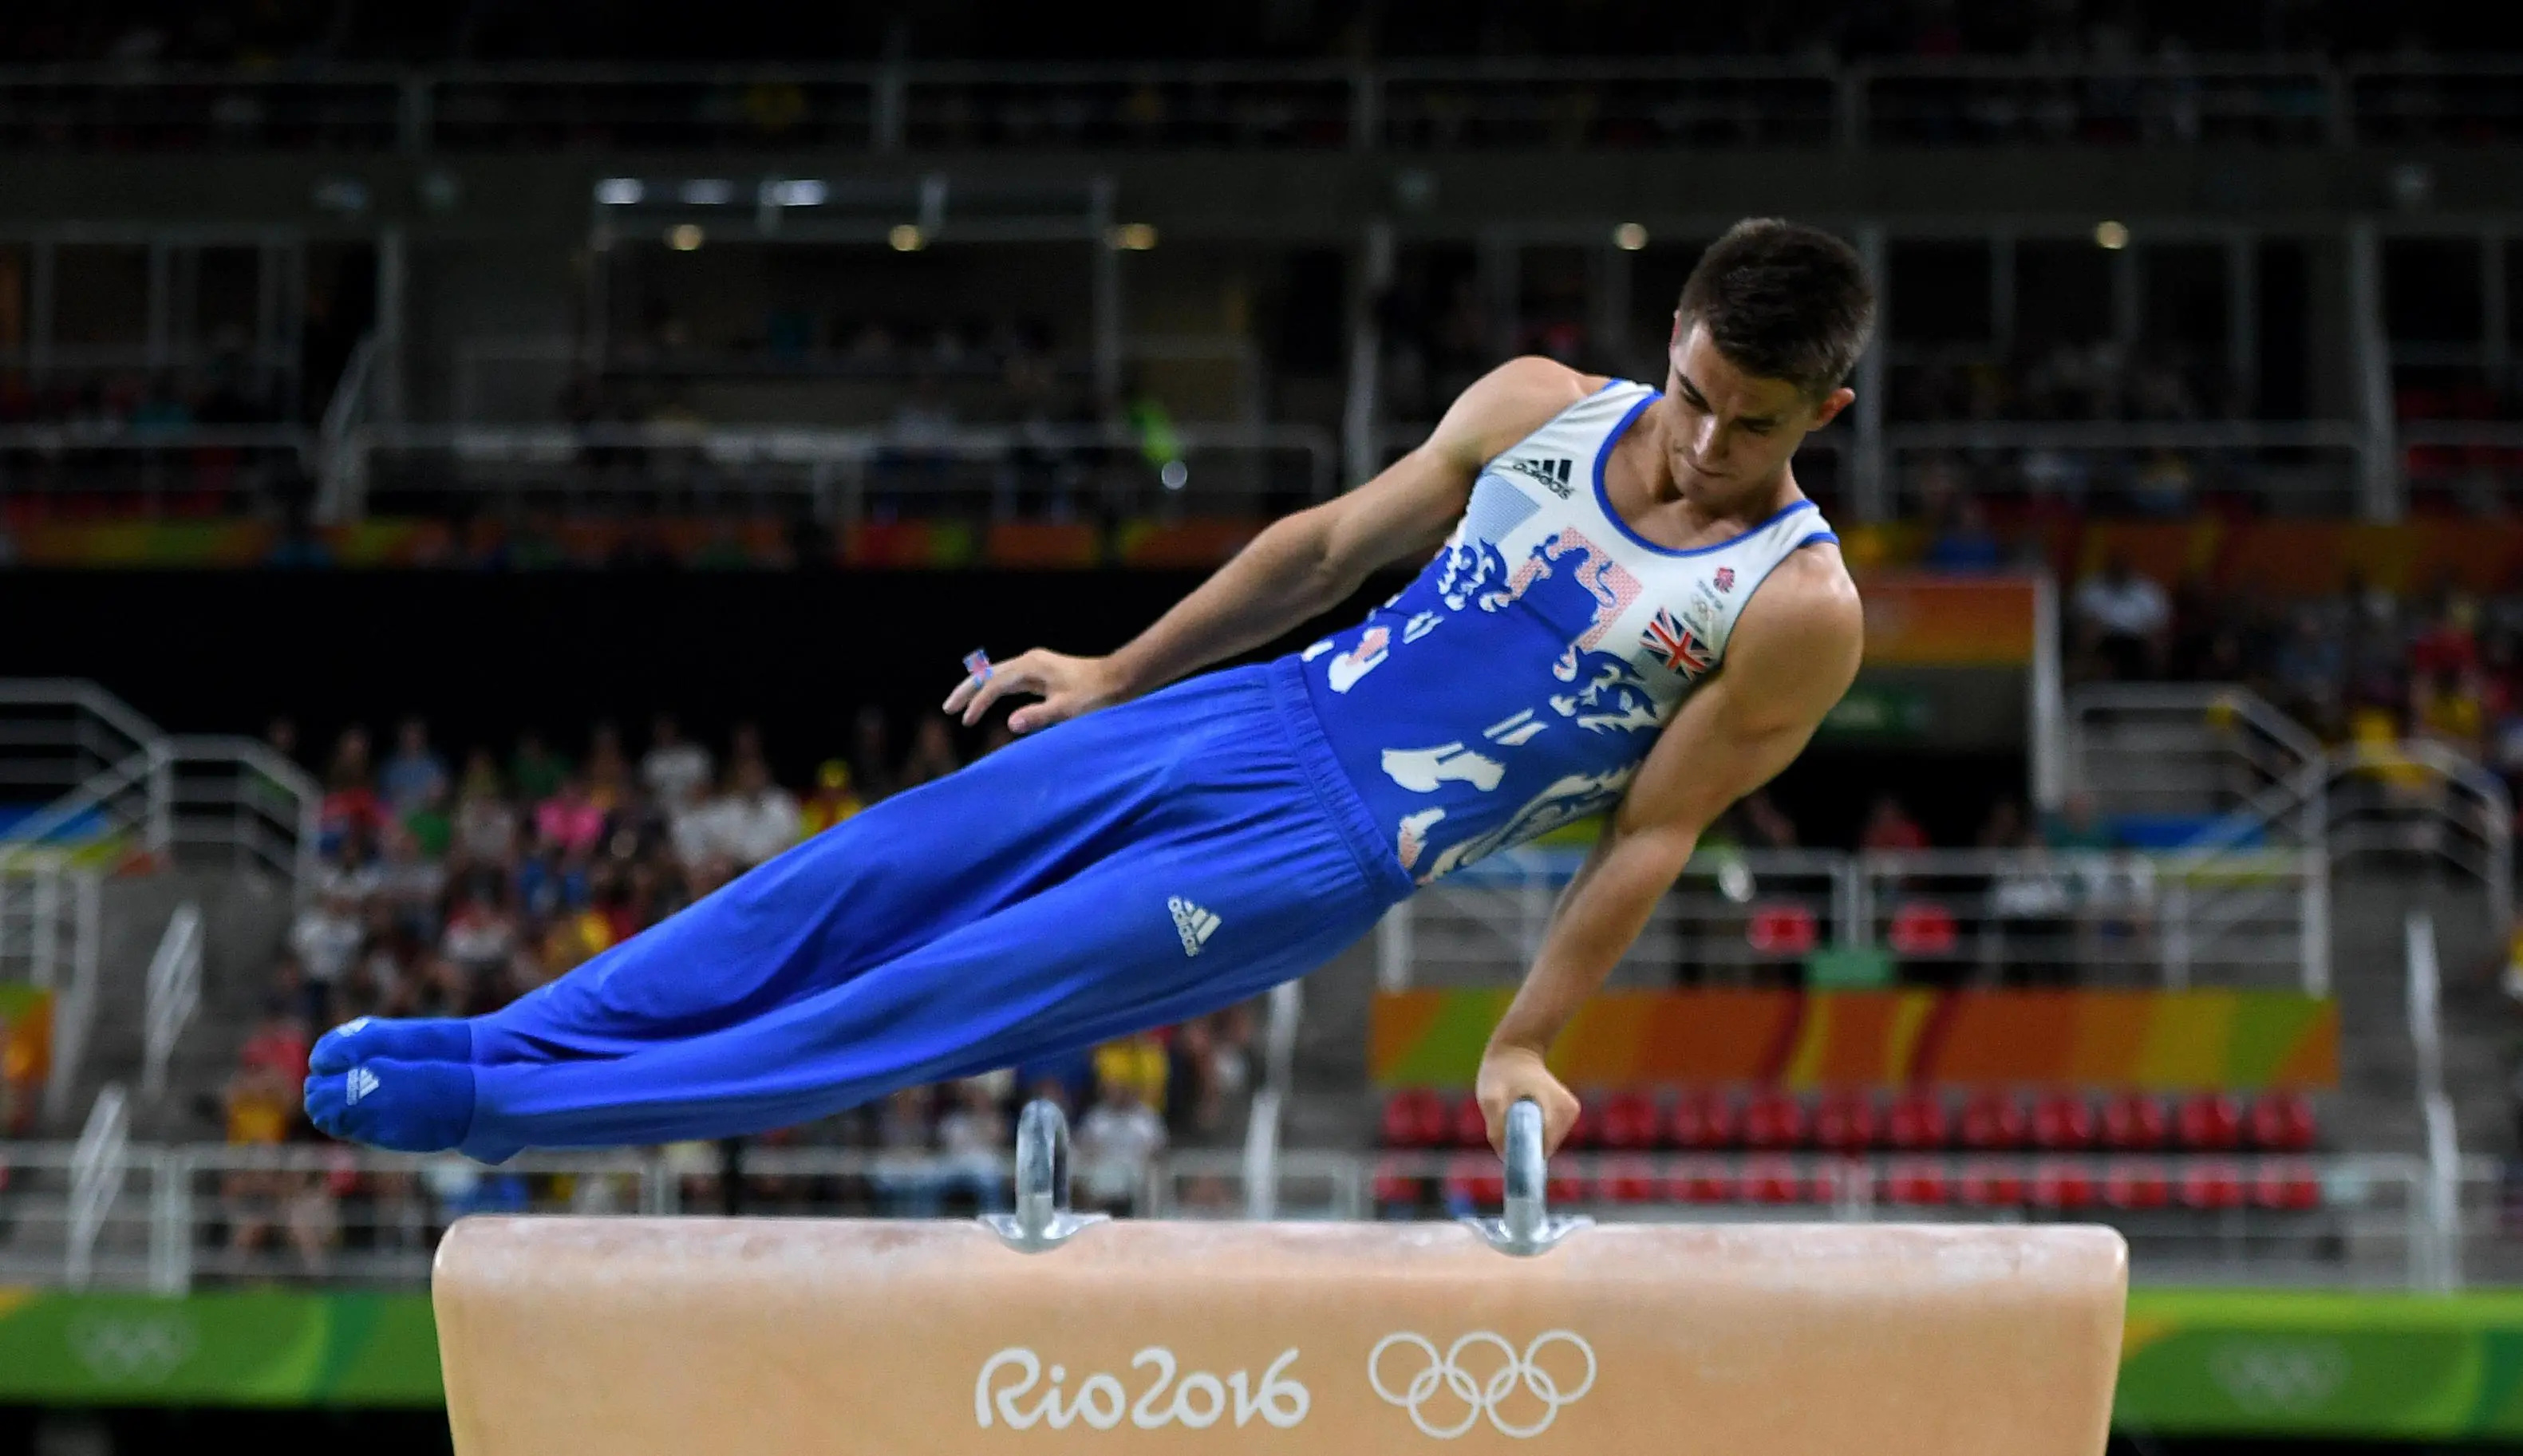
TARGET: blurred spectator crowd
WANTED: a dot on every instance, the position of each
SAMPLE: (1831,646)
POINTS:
(451,887)
(2363,665)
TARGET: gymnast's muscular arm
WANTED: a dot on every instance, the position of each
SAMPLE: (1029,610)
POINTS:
(1303,564)
(1793,652)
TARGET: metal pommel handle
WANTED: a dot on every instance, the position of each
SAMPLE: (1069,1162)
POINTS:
(1527,1227)
(1043,1220)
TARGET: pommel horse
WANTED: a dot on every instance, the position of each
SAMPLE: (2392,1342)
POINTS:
(1045,1331)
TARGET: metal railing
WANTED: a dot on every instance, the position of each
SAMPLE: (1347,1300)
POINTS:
(2095,918)
(182,1215)
(834,475)
(57,735)
(1404,105)
(1287,1012)
(234,801)
(173,993)
(1731,916)
(2197,749)
(99,1164)
(2243,919)
(2441,1268)
(218,799)
(2419,798)
(2252,777)
(147,470)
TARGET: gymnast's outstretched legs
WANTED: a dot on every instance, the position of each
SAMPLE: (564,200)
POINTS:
(864,892)
(1125,870)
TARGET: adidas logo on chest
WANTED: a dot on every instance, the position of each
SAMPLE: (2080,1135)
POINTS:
(1553,473)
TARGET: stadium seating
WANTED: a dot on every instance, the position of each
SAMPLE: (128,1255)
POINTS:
(1850,1121)
(1845,1123)
(2063,1122)
(2136,1185)
(1775,1120)
(1704,1120)
(2056,1153)
(2133,1123)
(2210,1122)
(1918,1122)
(1993,1122)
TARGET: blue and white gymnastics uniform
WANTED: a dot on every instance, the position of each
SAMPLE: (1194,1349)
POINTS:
(1135,866)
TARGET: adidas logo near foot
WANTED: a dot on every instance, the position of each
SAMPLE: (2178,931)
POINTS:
(359,1084)
(1194,924)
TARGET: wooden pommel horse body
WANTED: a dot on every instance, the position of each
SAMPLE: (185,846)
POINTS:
(886,1338)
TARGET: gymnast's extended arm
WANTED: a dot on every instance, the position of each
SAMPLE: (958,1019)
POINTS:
(1793,652)
(1302,564)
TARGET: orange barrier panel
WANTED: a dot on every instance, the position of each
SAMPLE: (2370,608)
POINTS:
(2161,1041)
(1914,621)
(739,1337)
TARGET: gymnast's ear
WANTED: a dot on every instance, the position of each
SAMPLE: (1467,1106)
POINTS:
(1827,408)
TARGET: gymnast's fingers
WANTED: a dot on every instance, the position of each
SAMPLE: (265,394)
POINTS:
(1023,673)
(1056,707)
(976,669)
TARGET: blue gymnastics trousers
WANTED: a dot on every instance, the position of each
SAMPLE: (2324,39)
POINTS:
(1129,868)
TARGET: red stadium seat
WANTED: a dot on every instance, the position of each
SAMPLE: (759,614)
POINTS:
(2063,1122)
(1918,1122)
(1922,929)
(1478,1176)
(1990,1183)
(1706,1121)
(2287,1185)
(1769,1177)
(1774,1120)
(1994,1122)
(1783,929)
(1414,1118)
(1845,1123)
(1394,1188)
(1587,1132)
(1630,1180)
(2133,1122)
(2210,1122)
(1917,1182)
(1630,1122)
(2282,1122)
(1703,1179)
(2062,1184)
(2136,1183)
(1472,1125)
(2212,1184)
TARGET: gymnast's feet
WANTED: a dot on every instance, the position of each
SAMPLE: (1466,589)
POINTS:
(401,1106)
(420,1039)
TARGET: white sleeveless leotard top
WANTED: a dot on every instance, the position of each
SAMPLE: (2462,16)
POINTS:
(1517,684)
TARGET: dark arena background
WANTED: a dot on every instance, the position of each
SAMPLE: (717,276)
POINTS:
(475,479)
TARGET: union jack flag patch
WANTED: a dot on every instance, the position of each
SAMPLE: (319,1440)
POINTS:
(1677,646)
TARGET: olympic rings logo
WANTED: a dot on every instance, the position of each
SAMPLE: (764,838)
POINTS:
(1476,1394)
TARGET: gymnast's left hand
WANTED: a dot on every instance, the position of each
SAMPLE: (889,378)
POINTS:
(1508,1075)
(1068,687)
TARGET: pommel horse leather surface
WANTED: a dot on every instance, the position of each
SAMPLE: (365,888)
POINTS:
(624,1336)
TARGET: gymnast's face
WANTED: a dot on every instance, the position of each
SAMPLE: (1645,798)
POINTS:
(1726,432)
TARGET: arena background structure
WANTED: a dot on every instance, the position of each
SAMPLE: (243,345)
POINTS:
(472,483)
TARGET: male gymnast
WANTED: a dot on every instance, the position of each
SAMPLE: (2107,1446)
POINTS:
(1632,607)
